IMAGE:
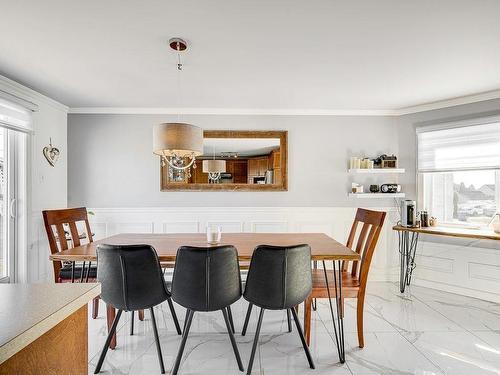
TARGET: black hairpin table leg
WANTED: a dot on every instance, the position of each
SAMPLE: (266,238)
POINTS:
(338,324)
(407,250)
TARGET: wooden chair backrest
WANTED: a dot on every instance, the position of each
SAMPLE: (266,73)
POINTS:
(366,242)
(56,219)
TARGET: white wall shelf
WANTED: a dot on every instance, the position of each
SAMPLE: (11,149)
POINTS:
(377,171)
(376,195)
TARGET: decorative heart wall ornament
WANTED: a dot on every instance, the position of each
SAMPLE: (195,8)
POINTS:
(51,153)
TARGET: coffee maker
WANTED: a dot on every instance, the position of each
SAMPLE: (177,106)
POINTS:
(408,213)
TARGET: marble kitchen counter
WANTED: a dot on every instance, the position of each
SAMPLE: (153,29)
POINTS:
(27,311)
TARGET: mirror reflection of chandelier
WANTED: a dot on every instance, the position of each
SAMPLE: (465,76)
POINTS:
(214,168)
(177,143)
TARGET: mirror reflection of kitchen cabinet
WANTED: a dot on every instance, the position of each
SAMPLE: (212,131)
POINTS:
(257,167)
(239,170)
(275,165)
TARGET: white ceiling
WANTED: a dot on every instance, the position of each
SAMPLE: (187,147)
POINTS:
(321,54)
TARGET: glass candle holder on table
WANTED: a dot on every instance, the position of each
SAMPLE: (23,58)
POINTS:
(213,234)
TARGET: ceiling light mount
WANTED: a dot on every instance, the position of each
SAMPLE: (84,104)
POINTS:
(178,44)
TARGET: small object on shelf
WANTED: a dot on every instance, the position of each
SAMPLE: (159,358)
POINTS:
(355,163)
(390,188)
(408,213)
(433,222)
(356,188)
(385,161)
(424,219)
(374,189)
(389,161)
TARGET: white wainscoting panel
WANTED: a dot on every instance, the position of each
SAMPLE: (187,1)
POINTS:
(269,226)
(462,267)
(181,227)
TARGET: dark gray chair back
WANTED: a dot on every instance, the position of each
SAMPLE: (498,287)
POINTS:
(130,276)
(279,277)
(206,278)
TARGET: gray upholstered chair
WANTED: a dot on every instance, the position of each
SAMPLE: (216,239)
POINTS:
(206,279)
(279,278)
(131,279)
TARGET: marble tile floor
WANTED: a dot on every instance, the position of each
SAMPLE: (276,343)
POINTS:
(424,331)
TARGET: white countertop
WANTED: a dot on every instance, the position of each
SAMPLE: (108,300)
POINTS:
(27,311)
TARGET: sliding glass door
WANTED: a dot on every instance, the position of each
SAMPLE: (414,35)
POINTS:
(12,185)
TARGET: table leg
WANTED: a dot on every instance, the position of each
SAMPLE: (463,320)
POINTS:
(110,315)
(407,250)
(338,324)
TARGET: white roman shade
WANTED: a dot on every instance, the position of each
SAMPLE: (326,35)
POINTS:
(15,116)
(458,148)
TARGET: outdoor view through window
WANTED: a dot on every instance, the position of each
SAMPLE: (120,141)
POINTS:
(464,197)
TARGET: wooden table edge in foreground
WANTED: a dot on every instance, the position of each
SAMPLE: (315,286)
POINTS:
(408,241)
(245,243)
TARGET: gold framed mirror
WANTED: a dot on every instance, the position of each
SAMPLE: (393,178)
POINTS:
(241,160)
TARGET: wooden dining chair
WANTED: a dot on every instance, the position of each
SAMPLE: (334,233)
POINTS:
(62,233)
(354,274)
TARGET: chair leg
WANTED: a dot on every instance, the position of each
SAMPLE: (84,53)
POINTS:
(110,317)
(185,320)
(174,316)
(307,319)
(157,339)
(304,344)
(360,309)
(230,315)
(185,334)
(247,318)
(141,315)
(289,320)
(132,323)
(108,341)
(255,342)
(230,331)
(95,307)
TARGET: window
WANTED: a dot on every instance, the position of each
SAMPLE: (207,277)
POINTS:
(459,171)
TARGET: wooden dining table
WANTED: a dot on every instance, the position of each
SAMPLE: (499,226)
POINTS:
(323,249)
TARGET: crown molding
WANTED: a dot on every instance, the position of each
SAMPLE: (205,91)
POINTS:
(461,100)
(227,111)
(25,93)
(453,102)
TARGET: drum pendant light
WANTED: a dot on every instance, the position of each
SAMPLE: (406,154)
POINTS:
(178,143)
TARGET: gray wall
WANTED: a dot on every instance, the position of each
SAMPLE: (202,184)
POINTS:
(111,163)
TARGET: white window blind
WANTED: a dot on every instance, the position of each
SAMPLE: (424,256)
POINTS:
(459,148)
(15,116)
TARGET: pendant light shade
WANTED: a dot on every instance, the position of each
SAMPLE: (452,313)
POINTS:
(214,166)
(176,139)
